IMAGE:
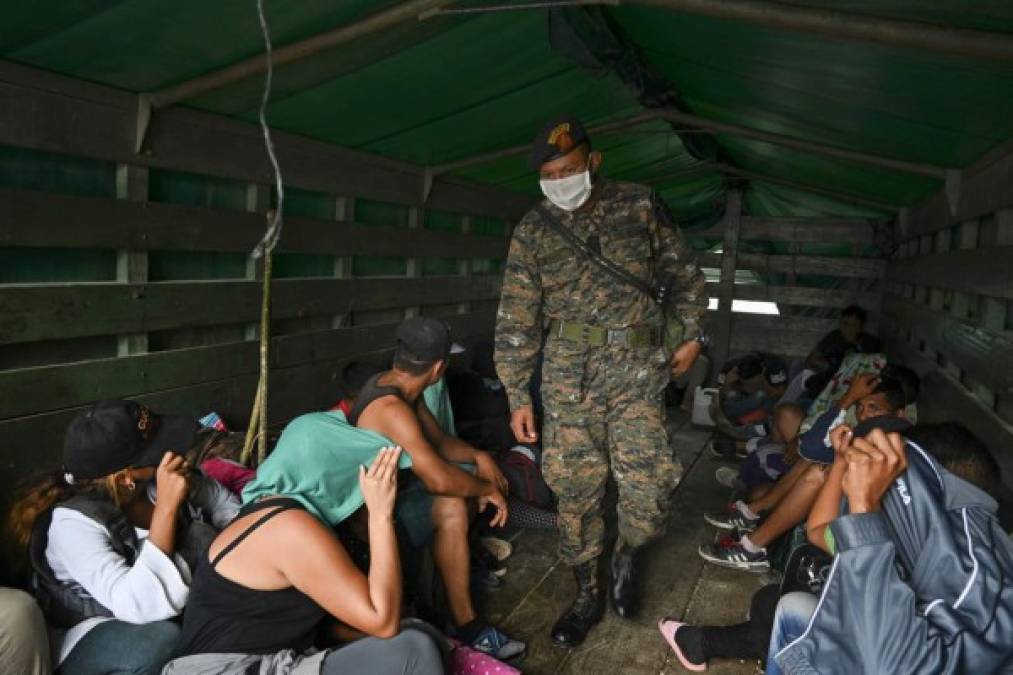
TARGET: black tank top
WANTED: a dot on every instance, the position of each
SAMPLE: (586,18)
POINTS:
(225,617)
(369,393)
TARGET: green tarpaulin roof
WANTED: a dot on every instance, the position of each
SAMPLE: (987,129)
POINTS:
(443,89)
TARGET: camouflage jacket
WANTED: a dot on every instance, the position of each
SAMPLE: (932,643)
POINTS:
(546,279)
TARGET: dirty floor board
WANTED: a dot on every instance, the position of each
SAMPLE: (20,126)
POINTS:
(676,583)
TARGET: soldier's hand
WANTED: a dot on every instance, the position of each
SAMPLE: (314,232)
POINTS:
(522,423)
(684,356)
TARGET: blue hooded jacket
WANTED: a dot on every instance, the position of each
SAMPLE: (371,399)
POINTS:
(924,585)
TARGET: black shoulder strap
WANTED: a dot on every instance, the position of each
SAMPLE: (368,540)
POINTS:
(570,237)
(280,505)
(369,393)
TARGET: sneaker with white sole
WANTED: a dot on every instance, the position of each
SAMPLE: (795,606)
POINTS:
(732,518)
(732,554)
(498,645)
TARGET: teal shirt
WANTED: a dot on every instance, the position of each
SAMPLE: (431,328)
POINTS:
(317,463)
(438,401)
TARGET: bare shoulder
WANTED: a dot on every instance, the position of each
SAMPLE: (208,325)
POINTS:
(288,530)
(387,411)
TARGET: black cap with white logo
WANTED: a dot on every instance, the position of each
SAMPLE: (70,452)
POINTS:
(424,339)
(113,435)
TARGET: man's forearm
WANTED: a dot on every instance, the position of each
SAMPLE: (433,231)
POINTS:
(452,481)
(453,449)
(827,506)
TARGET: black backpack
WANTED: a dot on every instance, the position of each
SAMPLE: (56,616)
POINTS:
(525,476)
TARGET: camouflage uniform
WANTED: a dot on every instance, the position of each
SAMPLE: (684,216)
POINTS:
(603,404)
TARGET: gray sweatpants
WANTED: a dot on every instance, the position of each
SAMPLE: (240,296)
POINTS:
(410,652)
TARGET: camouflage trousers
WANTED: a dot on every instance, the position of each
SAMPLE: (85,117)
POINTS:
(604,410)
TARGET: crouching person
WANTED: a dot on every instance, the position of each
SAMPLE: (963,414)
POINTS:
(273,575)
(921,582)
(105,537)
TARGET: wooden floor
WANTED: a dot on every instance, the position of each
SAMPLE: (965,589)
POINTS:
(677,583)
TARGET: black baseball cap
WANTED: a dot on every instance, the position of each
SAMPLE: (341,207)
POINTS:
(555,139)
(113,435)
(424,339)
(885,423)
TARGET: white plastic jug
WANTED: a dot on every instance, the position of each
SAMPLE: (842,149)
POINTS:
(701,406)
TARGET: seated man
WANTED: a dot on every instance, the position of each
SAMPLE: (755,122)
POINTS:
(788,502)
(749,393)
(923,575)
(768,456)
(433,502)
(849,338)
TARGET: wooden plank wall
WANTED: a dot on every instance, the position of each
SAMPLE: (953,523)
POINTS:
(810,290)
(368,254)
(949,305)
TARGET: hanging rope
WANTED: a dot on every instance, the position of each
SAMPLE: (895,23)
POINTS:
(257,430)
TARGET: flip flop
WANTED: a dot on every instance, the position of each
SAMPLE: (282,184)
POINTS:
(668,628)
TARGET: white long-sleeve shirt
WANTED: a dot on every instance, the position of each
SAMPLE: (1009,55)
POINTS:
(154,588)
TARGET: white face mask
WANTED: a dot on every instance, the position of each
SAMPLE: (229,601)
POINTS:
(568,193)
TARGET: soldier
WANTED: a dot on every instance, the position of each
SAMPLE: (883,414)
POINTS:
(604,367)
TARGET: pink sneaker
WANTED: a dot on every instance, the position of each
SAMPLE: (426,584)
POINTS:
(668,628)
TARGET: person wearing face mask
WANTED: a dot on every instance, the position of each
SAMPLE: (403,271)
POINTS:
(109,536)
(605,363)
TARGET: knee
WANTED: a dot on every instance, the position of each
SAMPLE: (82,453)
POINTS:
(797,608)
(450,513)
(418,651)
(19,608)
(814,476)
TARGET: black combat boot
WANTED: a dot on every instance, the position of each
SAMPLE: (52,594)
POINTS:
(587,609)
(624,582)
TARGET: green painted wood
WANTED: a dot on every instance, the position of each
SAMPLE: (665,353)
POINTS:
(38,312)
(802,296)
(74,384)
(788,336)
(981,271)
(983,353)
(47,112)
(861,268)
(38,219)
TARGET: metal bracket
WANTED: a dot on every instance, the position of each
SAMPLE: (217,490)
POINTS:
(145,108)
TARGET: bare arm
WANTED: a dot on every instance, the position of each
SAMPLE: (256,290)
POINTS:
(827,506)
(324,572)
(457,450)
(395,420)
(828,502)
(450,447)
(172,485)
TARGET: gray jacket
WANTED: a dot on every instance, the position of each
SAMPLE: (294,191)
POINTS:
(925,585)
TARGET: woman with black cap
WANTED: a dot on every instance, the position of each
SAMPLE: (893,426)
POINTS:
(109,535)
